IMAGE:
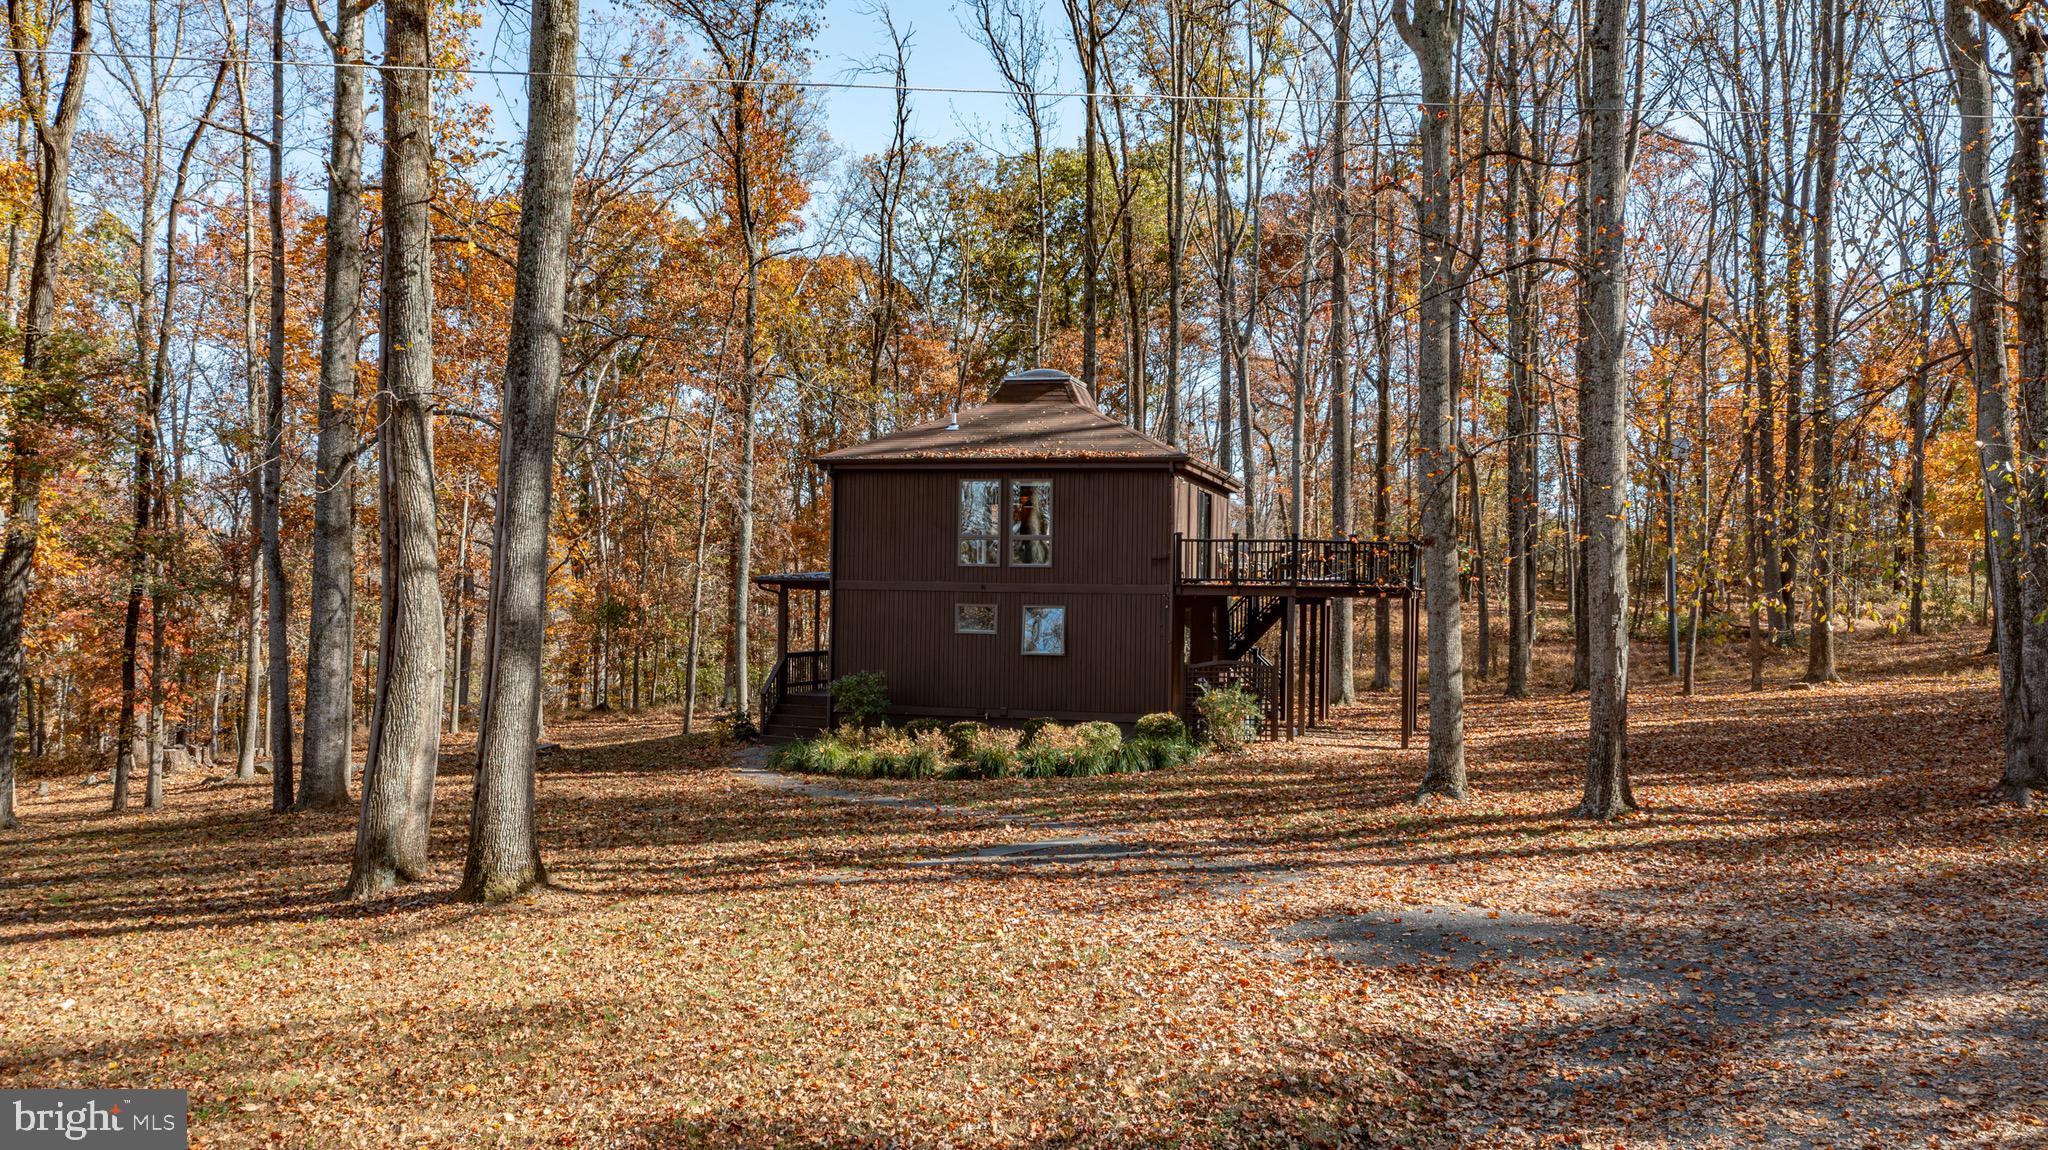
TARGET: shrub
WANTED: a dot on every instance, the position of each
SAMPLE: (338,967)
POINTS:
(1160,725)
(991,752)
(1034,727)
(825,755)
(743,729)
(1229,714)
(928,756)
(923,726)
(1099,734)
(862,697)
(992,762)
(964,736)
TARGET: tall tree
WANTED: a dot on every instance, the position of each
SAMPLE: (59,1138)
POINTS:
(1832,55)
(277,590)
(504,857)
(405,721)
(330,640)
(1984,235)
(1432,34)
(1343,652)
(2027,204)
(1603,411)
(52,90)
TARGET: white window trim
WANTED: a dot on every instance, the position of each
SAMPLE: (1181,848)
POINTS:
(1024,633)
(998,540)
(994,629)
(1011,538)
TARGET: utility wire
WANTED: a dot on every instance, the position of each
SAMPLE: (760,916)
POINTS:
(1398,100)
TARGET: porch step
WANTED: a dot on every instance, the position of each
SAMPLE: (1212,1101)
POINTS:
(800,715)
(784,731)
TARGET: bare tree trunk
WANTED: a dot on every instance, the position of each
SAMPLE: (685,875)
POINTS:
(1088,45)
(690,660)
(1176,213)
(458,654)
(1833,78)
(27,465)
(1343,652)
(277,601)
(253,621)
(1382,463)
(1432,35)
(504,857)
(2010,532)
(330,643)
(1521,397)
(1984,232)
(147,94)
(1603,416)
(405,721)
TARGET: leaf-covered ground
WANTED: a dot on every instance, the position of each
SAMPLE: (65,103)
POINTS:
(1817,933)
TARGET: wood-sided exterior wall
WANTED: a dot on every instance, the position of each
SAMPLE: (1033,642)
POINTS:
(896,579)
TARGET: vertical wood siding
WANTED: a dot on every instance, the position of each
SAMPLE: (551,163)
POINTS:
(896,579)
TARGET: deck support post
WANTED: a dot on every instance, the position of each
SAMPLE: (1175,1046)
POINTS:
(1287,667)
(1409,647)
(781,623)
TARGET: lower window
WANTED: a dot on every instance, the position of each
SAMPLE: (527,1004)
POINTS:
(1045,630)
(974,618)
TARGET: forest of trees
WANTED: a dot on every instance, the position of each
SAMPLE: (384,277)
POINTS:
(330,410)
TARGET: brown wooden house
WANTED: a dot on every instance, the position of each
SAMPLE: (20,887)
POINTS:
(1034,557)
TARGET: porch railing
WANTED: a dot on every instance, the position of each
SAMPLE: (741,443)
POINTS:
(1375,564)
(795,671)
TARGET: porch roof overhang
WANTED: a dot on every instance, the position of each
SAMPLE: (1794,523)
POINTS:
(795,581)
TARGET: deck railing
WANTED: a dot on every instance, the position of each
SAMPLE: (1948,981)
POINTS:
(795,671)
(1379,564)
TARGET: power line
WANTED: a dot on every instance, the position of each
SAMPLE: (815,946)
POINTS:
(1399,100)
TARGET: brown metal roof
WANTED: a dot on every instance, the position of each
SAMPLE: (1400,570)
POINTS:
(1036,416)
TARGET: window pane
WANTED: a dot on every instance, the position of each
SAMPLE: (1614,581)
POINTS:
(974,618)
(1031,508)
(1045,630)
(1030,553)
(981,524)
(978,502)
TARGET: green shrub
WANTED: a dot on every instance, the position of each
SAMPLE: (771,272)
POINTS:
(923,726)
(1160,725)
(742,729)
(862,697)
(964,736)
(993,762)
(927,757)
(1034,727)
(1107,736)
(1230,715)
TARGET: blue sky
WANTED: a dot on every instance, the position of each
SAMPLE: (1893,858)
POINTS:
(943,55)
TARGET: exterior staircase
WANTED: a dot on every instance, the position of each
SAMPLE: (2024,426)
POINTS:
(797,715)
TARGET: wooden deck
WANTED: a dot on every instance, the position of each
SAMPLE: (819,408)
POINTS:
(1301,568)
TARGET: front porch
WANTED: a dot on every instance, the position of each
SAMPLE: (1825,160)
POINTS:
(793,700)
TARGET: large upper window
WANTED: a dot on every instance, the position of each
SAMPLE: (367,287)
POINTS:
(1031,523)
(981,523)
(984,528)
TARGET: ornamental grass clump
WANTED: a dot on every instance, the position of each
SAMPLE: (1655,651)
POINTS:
(1230,716)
